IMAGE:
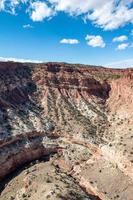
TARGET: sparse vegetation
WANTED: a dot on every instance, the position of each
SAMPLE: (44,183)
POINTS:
(86,110)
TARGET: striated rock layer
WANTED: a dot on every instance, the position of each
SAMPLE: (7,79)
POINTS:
(60,108)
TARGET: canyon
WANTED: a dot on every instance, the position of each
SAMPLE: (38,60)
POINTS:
(80,118)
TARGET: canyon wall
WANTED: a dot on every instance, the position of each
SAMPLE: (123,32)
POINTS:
(41,103)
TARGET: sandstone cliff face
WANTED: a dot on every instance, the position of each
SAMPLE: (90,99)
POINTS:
(40,104)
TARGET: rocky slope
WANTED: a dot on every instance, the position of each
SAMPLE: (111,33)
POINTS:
(83,114)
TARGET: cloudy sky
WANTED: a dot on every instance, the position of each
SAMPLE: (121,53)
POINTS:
(96,32)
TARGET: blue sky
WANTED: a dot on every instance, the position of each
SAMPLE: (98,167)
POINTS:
(75,32)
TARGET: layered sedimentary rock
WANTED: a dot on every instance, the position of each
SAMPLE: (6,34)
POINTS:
(57,107)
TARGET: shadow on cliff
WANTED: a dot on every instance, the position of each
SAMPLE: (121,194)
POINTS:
(16,88)
(75,196)
(19,170)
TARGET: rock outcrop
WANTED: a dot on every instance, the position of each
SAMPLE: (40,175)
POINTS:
(58,108)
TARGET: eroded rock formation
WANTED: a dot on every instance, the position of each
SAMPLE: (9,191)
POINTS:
(82,113)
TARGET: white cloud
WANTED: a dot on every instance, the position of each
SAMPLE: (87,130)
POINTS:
(120,38)
(112,14)
(2,5)
(107,14)
(121,64)
(122,46)
(76,7)
(95,41)
(19,60)
(40,11)
(27,26)
(11,5)
(69,41)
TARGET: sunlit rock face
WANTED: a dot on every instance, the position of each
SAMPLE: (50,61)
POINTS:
(57,108)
